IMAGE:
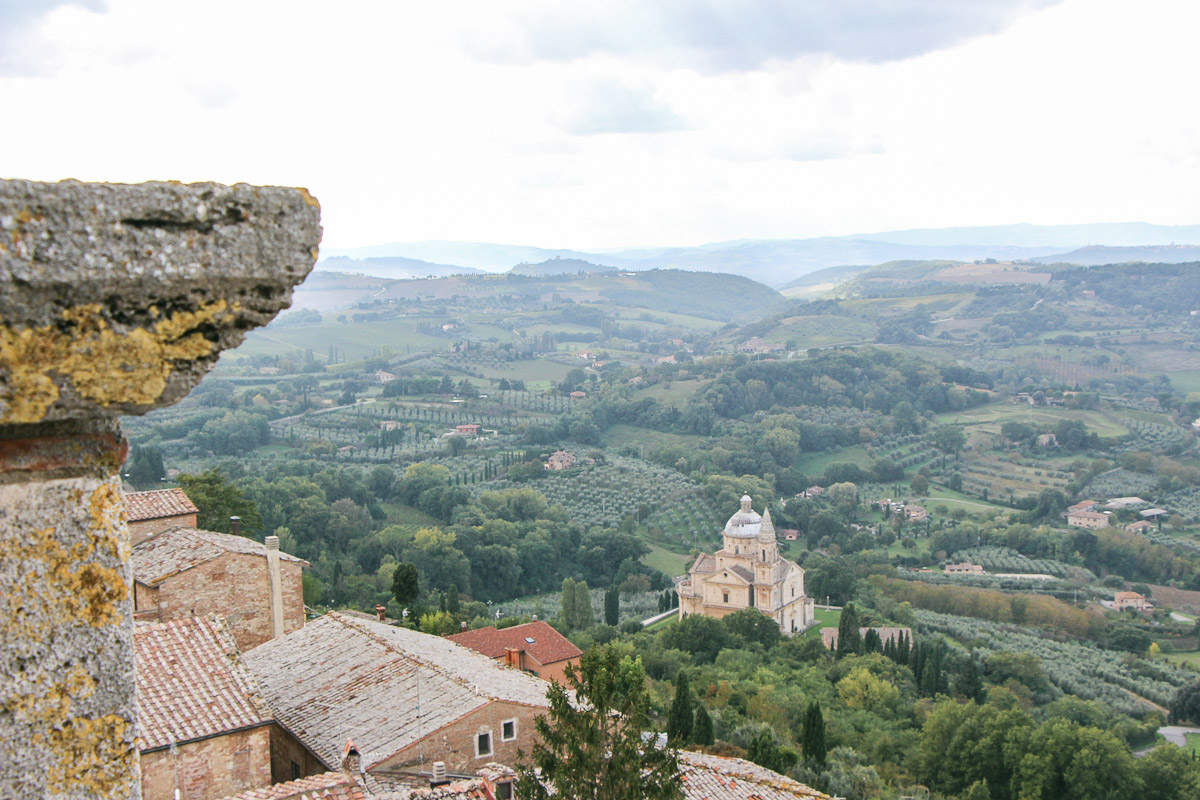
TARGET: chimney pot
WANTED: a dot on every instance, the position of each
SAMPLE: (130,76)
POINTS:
(464,627)
(235,524)
(535,617)
(272,542)
(381,612)
(438,778)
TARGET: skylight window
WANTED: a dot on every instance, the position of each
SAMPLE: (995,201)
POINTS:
(529,639)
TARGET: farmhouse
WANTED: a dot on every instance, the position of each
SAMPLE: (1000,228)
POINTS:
(151,512)
(916,513)
(1087,519)
(204,727)
(382,376)
(534,647)
(470,429)
(560,459)
(1141,526)
(965,568)
(186,572)
(406,699)
(1082,505)
(1130,600)
(748,572)
(1124,502)
(1047,440)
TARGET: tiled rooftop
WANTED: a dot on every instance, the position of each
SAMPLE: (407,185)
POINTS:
(179,549)
(192,683)
(708,777)
(326,786)
(158,504)
(339,678)
(538,639)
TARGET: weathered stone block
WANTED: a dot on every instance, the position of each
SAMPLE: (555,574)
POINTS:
(117,299)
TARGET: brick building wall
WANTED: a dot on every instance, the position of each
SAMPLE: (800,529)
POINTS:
(210,768)
(290,759)
(234,585)
(141,530)
(455,743)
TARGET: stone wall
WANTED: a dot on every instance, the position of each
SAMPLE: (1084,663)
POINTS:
(113,300)
(210,768)
(143,529)
(236,586)
(290,759)
(455,743)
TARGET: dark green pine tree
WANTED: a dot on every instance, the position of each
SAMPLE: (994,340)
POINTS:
(680,717)
(612,606)
(932,681)
(871,642)
(849,637)
(812,735)
(702,728)
(916,661)
(903,648)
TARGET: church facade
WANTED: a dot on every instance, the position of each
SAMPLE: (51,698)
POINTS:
(748,572)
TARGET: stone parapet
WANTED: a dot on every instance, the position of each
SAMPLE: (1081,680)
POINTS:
(113,300)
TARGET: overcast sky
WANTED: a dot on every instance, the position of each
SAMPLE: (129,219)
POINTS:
(622,122)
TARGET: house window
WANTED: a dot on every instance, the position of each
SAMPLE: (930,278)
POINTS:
(296,771)
(724,597)
(483,744)
(504,791)
(508,730)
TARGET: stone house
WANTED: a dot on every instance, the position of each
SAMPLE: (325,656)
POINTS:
(1087,519)
(1130,600)
(187,572)
(470,429)
(915,513)
(1047,440)
(748,572)
(406,699)
(204,726)
(534,647)
(152,512)
(1082,505)
(965,568)
(560,459)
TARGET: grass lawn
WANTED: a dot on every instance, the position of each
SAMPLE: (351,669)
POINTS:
(1193,743)
(1191,659)
(825,619)
(813,464)
(662,623)
(676,393)
(409,517)
(1185,380)
(996,414)
(664,560)
(952,499)
(619,436)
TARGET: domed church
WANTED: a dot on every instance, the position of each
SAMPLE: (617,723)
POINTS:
(748,572)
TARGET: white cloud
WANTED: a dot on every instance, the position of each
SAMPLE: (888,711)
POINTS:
(1076,112)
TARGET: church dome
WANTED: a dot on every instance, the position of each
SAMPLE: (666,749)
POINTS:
(745,523)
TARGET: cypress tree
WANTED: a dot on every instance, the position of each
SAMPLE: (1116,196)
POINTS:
(849,637)
(612,606)
(679,719)
(812,735)
(567,615)
(585,615)
(871,642)
(702,728)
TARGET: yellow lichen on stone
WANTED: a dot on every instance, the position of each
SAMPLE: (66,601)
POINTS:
(101,364)
(96,758)
(308,198)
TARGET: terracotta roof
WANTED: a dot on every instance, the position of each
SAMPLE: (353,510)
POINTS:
(704,563)
(1128,596)
(538,639)
(339,678)
(158,504)
(326,786)
(179,549)
(708,777)
(192,683)
(474,789)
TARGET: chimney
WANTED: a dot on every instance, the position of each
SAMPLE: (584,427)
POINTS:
(438,776)
(381,612)
(235,525)
(464,627)
(535,617)
(351,761)
(276,585)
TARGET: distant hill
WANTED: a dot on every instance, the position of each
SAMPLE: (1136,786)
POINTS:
(827,275)
(712,295)
(776,262)
(1102,254)
(393,267)
(560,266)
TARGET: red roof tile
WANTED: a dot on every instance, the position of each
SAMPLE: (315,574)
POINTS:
(326,786)
(547,646)
(158,504)
(191,682)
